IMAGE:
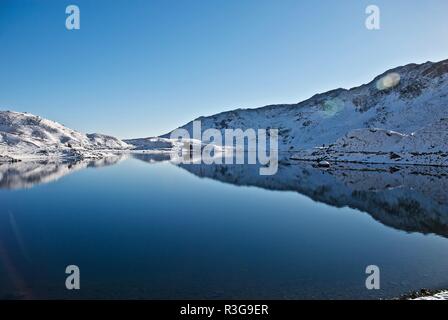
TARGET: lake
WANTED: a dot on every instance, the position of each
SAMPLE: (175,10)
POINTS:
(140,227)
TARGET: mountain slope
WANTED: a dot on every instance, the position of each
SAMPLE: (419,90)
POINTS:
(23,135)
(428,146)
(403,99)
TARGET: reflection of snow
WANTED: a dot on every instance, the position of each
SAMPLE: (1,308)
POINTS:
(409,198)
(26,174)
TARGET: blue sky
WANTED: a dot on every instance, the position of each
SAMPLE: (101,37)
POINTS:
(139,67)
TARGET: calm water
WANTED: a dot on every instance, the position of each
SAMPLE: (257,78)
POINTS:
(141,228)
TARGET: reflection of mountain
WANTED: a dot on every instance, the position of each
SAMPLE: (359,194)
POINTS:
(152,157)
(26,174)
(412,199)
(409,198)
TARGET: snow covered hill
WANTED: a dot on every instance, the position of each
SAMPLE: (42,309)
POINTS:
(26,136)
(102,141)
(404,100)
(153,143)
(428,146)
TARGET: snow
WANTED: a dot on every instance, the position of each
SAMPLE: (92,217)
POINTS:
(107,142)
(399,117)
(438,296)
(153,143)
(398,103)
(427,146)
(25,136)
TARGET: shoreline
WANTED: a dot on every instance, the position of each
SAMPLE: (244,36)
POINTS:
(425,294)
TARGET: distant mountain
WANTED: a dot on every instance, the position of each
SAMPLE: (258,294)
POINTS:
(404,100)
(153,143)
(23,135)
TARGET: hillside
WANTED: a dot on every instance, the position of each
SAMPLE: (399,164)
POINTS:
(26,136)
(404,100)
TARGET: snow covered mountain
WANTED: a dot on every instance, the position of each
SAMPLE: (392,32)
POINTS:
(23,135)
(400,117)
(403,100)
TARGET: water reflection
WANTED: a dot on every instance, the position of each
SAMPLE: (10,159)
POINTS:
(168,234)
(152,157)
(26,174)
(408,198)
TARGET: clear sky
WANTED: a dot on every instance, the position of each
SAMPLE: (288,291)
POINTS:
(141,68)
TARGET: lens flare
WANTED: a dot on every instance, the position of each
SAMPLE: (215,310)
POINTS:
(388,81)
(332,107)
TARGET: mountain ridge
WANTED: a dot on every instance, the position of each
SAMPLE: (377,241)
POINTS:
(391,101)
(402,100)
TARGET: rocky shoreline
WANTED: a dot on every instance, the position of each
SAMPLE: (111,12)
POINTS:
(426,294)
